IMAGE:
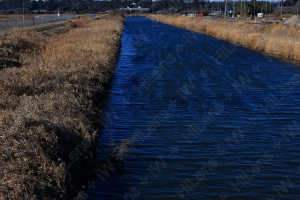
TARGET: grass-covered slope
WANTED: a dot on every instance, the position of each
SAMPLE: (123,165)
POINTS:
(49,104)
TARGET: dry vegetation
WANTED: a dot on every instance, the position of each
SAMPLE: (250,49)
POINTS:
(49,101)
(274,39)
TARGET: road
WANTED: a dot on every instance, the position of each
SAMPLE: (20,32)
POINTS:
(31,27)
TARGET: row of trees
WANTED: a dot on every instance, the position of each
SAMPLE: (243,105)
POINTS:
(241,7)
(244,8)
(53,5)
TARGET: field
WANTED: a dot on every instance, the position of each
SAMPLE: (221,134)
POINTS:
(274,39)
(52,91)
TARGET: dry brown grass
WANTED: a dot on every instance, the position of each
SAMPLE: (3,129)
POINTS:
(48,107)
(278,40)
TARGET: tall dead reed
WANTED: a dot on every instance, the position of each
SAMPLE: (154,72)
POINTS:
(274,39)
(48,107)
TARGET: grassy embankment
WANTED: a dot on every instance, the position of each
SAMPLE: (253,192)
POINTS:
(51,95)
(274,39)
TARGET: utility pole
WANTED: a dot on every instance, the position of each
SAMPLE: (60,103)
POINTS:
(233,16)
(225,9)
(23,4)
(241,8)
(254,11)
(266,8)
(245,14)
(270,7)
(281,10)
(297,8)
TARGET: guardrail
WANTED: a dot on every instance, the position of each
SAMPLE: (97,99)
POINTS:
(8,24)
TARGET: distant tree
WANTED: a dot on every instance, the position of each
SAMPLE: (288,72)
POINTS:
(156,6)
(144,3)
(34,6)
(50,5)
(289,3)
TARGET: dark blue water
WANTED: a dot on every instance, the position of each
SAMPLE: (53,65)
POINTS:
(205,119)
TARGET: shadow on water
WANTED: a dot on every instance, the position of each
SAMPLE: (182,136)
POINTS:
(206,119)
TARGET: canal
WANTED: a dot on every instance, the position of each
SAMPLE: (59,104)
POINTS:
(203,119)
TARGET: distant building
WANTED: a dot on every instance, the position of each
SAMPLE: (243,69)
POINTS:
(188,1)
(136,9)
(39,11)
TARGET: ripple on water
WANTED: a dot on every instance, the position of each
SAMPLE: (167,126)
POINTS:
(237,138)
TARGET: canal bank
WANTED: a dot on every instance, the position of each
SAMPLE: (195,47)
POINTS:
(51,104)
(274,39)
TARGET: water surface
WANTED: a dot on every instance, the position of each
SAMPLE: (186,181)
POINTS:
(211,120)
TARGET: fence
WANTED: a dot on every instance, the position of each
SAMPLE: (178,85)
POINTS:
(8,24)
